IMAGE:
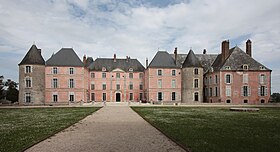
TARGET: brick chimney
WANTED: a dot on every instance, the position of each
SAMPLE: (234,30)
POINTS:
(225,50)
(146,62)
(126,58)
(249,47)
(85,60)
(175,55)
(204,51)
(115,58)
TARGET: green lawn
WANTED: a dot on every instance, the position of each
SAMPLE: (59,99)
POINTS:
(21,128)
(217,129)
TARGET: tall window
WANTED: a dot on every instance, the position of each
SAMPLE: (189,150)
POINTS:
(262,78)
(173,84)
(245,91)
(195,83)
(173,96)
(104,97)
(118,75)
(28,97)
(103,86)
(159,72)
(55,98)
(245,78)
(92,97)
(130,96)
(210,92)
(71,97)
(118,86)
(130,86)
(196,96)
(228,79)
(210,80)
(228,91)
(140,96)
(28,82)
(263,91)
(216,79)
(55,83)
(28,69)
(92,75)
(103,75)
(140,75)
(173,72)
(92,86)
(141,86)
(130,75)
(71,83)
(160,96)
(159,83)
(71,70)
(196,71)
(54,70)
(216,91)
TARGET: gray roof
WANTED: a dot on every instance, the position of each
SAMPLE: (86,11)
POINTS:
(65,57)
(191,60)
(123,64)
(238,58)
(163,60)
(33,56)
(89,61)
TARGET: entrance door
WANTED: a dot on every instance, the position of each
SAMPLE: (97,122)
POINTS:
(118,97)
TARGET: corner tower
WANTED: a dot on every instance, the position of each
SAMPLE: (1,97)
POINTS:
(192,79)
(32,78)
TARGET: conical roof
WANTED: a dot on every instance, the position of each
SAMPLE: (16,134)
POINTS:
(191,60)
(33,56)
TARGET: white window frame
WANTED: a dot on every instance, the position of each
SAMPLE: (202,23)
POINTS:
(53,94)
(29,70)
(30,79)
(25,97)
(194,83)
(173,72)
(71,70)
(230,78)
(159,72)
(72,94)
(173,83)
(245,78)
(159,83)
(228,91)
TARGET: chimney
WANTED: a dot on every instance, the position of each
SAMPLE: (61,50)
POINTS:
(115,58)
(249,47)
(204,51)
(175,55)
(39,51)
(146,62)
(225,50)
(126,58)
(85,60)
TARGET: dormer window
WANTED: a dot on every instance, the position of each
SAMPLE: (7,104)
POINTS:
(227,67)
(28,69)
(130,69)
(262,68)
(245,67)
(103,69)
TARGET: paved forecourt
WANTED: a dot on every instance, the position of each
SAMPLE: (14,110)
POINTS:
(112,128)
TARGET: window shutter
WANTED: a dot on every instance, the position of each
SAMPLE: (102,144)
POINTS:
(242,91)
(265,79)
(162,96)
(52,83)
(157,96)
(249,91)
(266,91)
(259,90)
(259,78)
(68,83)
(225,78)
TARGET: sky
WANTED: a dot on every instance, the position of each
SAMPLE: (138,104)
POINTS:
(138,28)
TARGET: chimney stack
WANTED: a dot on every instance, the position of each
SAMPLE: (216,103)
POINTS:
(115,58)
(204,51)
(126,58)
(175,55)
(225,50)
(85,60)
(146,62)
(249,47)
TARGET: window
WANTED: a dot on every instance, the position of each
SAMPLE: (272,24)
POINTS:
(173,73)
(210,80)
(196,71)
(262,101)
(206,80)
(54,70)
(263,91)
(196,96)
(92,75)
(159,72)
(262,68)
(28,82)
(159,83)
(140,75)
(28,69)
(206,92)
(118,86)
(104,97)
(228,79)
(130,69)
(228,91)
(210,92)
(195,83)
(130,86)
(118,75)
(103,86)
(54,83)
(262,79)
(173,83)
(130,75)
(130,96)
(71,97)
(103,75)
(216,79)
(71,70)
(228,101)
(92,86)
(216,91)
(71,83)
(28,97)
(92,97)
(103,69)
(173,96)
(140,96)
(245,67)
(245,78)
(55,98)
(160,96)
(245,101)
(227,67)
(245,90)
(141,86)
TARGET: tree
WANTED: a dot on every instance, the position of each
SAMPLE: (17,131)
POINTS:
(1,87)
(275,97)
(12,92)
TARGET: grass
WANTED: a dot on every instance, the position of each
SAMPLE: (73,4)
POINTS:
(21,128)
(217,129)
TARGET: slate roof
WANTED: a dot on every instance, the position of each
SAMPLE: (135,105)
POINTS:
(33,56)
(89,61)
(163,60)
(191,60)
(65,57)
(109,64)
(238,58)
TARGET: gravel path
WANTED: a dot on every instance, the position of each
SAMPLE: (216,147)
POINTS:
(112,128)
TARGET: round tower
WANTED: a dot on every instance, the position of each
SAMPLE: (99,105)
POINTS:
(32,78)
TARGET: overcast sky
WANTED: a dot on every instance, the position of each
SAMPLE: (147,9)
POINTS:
(138,28)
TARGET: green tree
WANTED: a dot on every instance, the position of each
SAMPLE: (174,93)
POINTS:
(12,92)
(275,97)
(1,87)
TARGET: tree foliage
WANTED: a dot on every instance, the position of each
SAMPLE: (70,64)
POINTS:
(11,93)
(275,97)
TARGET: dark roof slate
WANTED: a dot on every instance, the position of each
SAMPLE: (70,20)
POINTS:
(191,60)
(123,64)
(33,56)
(65,57)
(163,60)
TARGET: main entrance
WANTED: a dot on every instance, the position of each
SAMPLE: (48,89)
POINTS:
(118,97)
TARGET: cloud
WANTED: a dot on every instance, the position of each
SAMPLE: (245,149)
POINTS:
(138,29)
